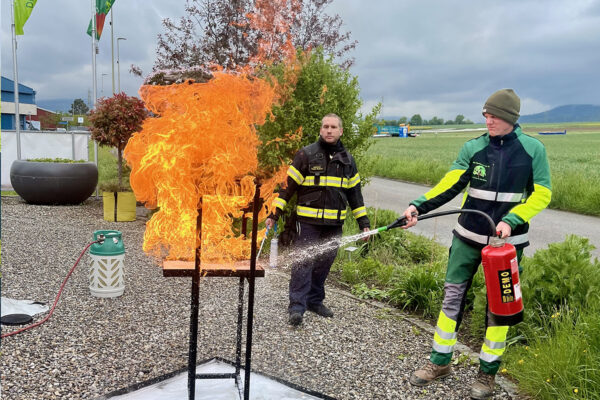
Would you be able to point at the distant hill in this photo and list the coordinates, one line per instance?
(568, 113)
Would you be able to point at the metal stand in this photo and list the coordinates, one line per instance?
(241, 270)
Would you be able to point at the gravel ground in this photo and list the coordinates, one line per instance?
(92, 346)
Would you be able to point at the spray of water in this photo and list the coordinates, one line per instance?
(309, 252)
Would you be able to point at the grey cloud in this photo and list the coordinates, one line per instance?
(435, 57)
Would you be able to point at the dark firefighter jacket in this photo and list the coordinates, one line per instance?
(327, 181)
(506, 177)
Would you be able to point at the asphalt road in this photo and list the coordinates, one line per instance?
(549, 226)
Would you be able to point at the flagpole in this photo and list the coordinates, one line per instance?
(94, 85)
(112, 50)
(16, 82)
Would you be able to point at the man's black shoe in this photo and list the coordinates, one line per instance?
(295, 318)
(321, 310)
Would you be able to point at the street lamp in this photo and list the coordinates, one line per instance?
(102, 85)
(119, 64)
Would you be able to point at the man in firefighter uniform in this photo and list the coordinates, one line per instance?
(325, 177)
(507, 176)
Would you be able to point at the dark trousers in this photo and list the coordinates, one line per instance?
(316, 249)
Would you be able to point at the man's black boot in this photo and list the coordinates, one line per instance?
(321, 310)
(295, 318)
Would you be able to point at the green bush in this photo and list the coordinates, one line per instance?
(564, 273)
(424, 250)
(420, 288)
(322, 87)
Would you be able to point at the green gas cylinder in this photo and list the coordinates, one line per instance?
(107, 269)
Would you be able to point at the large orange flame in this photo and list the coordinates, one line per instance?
(201, 147)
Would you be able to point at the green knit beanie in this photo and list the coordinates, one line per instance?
(504, 104)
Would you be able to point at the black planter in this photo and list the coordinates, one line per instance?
(53, 183)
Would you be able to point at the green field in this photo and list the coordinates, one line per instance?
(574, 160)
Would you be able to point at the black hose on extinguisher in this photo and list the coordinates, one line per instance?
(402, 220)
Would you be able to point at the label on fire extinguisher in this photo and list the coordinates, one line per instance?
(507, 288)
(514, 265)
(517, 291)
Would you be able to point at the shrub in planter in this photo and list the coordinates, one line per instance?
(113, 122)
(53, 181)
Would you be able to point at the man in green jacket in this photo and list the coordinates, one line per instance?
(507, 176)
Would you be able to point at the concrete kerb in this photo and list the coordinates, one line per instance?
(504, 383)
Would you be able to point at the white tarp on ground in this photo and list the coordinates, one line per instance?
(29, 307)
(40, 144)
(175, 388)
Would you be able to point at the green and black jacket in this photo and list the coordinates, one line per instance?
(327, 181)
(506, 177)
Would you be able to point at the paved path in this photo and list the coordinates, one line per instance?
(547, 227)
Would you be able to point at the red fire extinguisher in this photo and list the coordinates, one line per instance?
(501, 270)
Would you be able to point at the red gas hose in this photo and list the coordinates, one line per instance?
(57, 296)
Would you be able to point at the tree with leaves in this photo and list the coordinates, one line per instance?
(225, 33)
(435, 121)
(322, 87)
(114, 120)
(78, 107)
(416, 120)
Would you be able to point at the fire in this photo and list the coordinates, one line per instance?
(200, 150)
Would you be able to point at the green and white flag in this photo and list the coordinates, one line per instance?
(23, 9)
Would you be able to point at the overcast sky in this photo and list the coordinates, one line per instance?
(435, 58)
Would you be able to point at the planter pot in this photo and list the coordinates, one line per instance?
(125, 206)
(53, 183)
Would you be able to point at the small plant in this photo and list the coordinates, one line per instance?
(362, 291)
(384, 313)
(114, 186)
(56, 160)
(462, 359)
